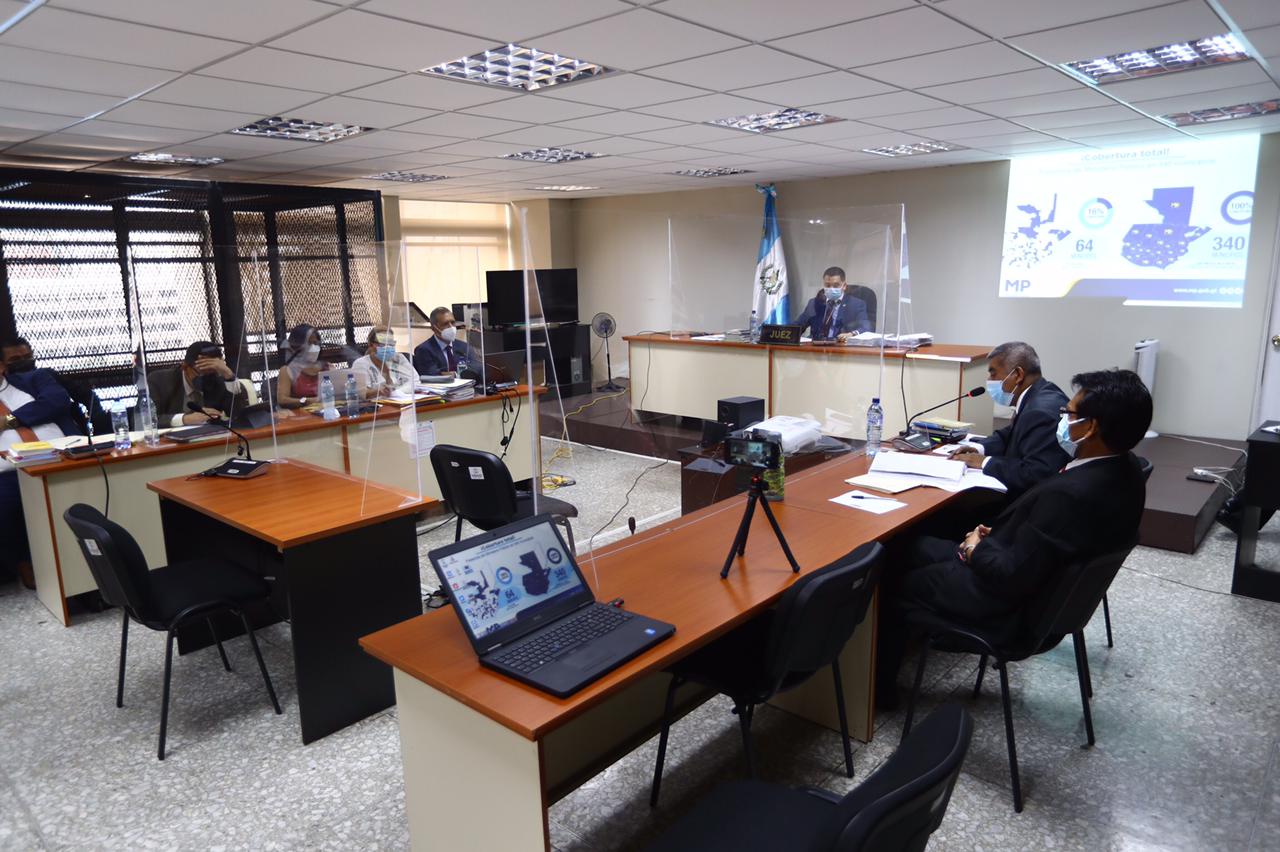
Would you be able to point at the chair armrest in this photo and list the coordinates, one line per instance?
(825, 795)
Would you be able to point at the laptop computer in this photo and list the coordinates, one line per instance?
(529, 613)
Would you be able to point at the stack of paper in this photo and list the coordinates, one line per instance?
(32, 452)
(894, 472)
(453, 391)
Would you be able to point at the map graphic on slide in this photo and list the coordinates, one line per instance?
(1028, 247)
(1161, 245)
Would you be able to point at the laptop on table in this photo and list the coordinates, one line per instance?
(529, 613)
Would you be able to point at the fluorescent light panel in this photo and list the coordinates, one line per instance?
(1136, 64)
(779, 119)
(407, 177)
(515, 66)
(161, 159)
(300, 129)
(910, 149)
(1228, 113)
(551, 155)
(566, 188)
(719, 171)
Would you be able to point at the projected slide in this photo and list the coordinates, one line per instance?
(1164, 224)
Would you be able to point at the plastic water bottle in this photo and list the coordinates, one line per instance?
(328, 403)
(462, 366)
(147, 419)
(120, 425)
(352, 396)
(875, 426)
(753, 327)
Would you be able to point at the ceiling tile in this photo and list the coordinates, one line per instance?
(99, 38)
(514, 22)
(636, 39)
(986, 59)
(622, 145)
(620, 122)
(968, 130)
(929, 118)
(223, 19)
(1076, 117)
(396, 140)
(887, 37)
(1022, 137)
(465, 126)
(1251, 14)
(376, 40)
(760, 145)
(1010, 17)
(238, 146)
(1055, 101)
(159, 135)
(1110, 128)
(181, 117)
(1037, 82)
(824, 133)
(40, 163)
(1208, 100)
(1188, 82)
(691, 134)
(1266, 40)
(627, 91)
(24, 120)
(282, 68)
(1189, 19)
(60, 101)
(710, 107)
(431, 92)
(733, 69)
(41, 68)
(890, 104)
(672, 154)
(362, 112)
(481, 148)
(1156, 134)
(832, 86)
(535, 109)
(549, 137)
(214, 93)
(759, 20)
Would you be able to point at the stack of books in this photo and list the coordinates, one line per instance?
(453, 391)
(32, 452)
(942, 430)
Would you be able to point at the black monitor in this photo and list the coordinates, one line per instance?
(558, 289)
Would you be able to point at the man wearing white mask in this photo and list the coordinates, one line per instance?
(834, 312)
(1026, 451)
(443, 354)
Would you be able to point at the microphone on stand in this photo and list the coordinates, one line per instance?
(918, 442)
(978, 391)
(237, 468)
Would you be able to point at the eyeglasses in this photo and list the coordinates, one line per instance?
(1073, 414)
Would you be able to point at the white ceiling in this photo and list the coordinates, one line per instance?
(84, 83)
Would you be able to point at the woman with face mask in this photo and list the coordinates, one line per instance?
(299, 382)
(386, 371)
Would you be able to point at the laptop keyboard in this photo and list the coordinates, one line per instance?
(573, 633)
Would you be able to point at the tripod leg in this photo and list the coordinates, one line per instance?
(740, 540)
(782, 540)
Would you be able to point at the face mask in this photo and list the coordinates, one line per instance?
(834, 293)
(448, 335)
(1064, 434)
(24, 365)
(1000, 396)
(386, 353)
(308, 354)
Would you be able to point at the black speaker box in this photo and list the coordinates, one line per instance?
(739, 412)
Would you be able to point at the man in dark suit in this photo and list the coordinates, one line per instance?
(202, 379)
(834, 312)
(1026, 451)
(1092, 507)
(442, 352)
(33, 407)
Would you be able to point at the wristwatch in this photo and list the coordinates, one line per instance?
(302, 400)
(9, 422)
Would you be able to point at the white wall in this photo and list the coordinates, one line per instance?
(1208, 370)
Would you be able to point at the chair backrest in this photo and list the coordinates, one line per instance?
(114, 558)
(904, 801)
(1066, 605)
(867, 295)
(1146, 467)
(819, 612)
(475, 484)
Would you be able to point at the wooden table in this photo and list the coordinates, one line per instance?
(341, 555)
(470, 737)
(675, 374)
(369, 445)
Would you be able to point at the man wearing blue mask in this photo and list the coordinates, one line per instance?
(834, 312)
(1024, 452)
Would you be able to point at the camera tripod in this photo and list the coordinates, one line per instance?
(739, 547)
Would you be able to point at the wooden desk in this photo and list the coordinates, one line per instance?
(363, 446)
(470, 737)
(674, 374)
(341, 554)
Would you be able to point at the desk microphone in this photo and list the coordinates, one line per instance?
(237, 468)
(918, 442)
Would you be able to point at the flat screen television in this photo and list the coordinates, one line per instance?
(554, 299)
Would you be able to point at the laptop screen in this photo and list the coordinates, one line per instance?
(514, 577)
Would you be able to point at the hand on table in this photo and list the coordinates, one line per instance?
(969, 456)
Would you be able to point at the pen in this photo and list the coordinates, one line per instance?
(868, 497)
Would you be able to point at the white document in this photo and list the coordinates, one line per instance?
(948, 449)
(889, 482)
(918, 464)
(425, 439)
(893, 483)
(708, 337)
(868, 502)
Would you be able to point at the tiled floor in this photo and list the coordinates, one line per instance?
(1186, 708)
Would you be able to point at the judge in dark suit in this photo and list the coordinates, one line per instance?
(1026, 451)
(834, 312)
(442, 352)
(203, 379)
(1092, 507)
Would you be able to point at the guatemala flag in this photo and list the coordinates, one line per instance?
(769, 293)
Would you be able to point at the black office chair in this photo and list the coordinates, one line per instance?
(1062, 608)
(867, 295)
(895, 810)
(477, 487)
(1146, 467)
(166, 598)
(782, 648)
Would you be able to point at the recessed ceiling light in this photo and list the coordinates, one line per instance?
(1228, 113)
(300, 130)
(1136, 64)
(709, 173)
(407, 177)
(551, 155)
(514, 66)
(779, 119)
(909, 149)
(17, 184)
(566, 188)
(162, 159)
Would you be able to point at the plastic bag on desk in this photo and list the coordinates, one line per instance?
(796, 433)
